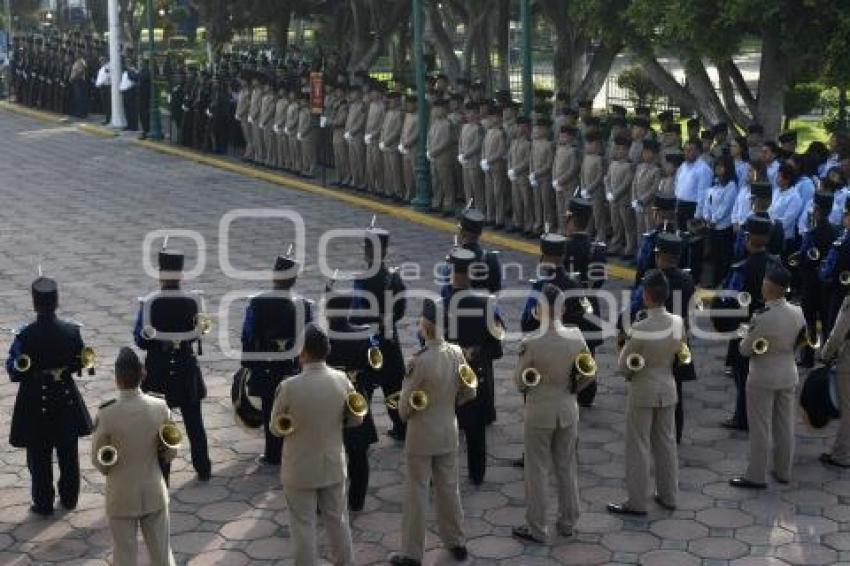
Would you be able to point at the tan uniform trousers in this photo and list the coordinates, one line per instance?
(282, 150)
(374, 167)
(341, 156)
(308, 153)
(422, 471)
(271, 147)
(495, 191)
(249, 139)
(259, 143)
(651, 439)
(558, 446)
(393, 182)
(473, 184)
(548, 210)
(333, 507)
(625, 229)
(356, 161)
(294, 151)
(601, 215)
(841, 448)
(155, 530)
(644, 222)
(444, 186)
(770, 409)
(523, 209)
(409, 176)
(562, 202)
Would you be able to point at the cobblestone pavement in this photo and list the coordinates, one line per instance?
(64, 207)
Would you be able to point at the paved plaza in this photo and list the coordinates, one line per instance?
(81, 206)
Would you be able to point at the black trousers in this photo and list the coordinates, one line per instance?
(587, 395)
(145, 112)
(358, 477)
(721, 254)
(274, 444)
(476, 450)
(40, 464)
(193, 421)
(740, 371)
(131, 110)
(106, 102)
(680, 413)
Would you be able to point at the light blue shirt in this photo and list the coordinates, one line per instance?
(742, 169)
(719, 204)
(804, 224)
(824, 168)
(692, 183)
(786, 207)
(805, 188)
(772, 171)
(837, 213)
(743, 205)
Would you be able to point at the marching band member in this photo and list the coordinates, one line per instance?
(136, 494)
(273, 321)
(771, 382)
(313, 468)
(837, 262)
(655, 342)
(664, 218)
(432, 443)
(551, 418)
(551, 272)
(49, 412)
(470, 227)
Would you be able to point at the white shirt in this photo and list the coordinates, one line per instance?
(692, 183)
(743, 206)
(772, 171)
(837, 212)
(126, 83)
(786, 208)
(103, 78)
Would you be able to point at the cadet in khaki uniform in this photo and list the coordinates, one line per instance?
(339, 116)
(407, 147)
(441, 158)
(645, 185)
(519, 165)
(540, 177)
(618, 192)
(493, 164)
(313, 470)
(771, 382)
(354, 126)
(592, 184)
(371, 135)
(243, 110)
(640, 133)
(565, 171)
(651, 401)
(836, 346)
(267, 111)
(390, 137)
(278, 124)
(551, 418)
(431, 447)
(293, 112)
(254, 110)
(308, 137)
(469, 155)
(136, 495)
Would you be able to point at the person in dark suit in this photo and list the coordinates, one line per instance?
(167, 326)
(49, 412)
(273, 321)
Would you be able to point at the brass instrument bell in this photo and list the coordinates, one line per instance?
(683, 356)
(357, 404)
(794, 259)
(148, 332)
(531, 377)
(283, 425)
(813, 254)
(635, 362)
(170, 436)
(375, 357)
(744, 298)
(204, 323)
(467, 376)
(107, 456)
(88, 357)
(22, 363)
(418, 400)
(760, 346)
(585, 364)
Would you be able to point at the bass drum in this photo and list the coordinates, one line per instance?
(819, 397)
(247, 410)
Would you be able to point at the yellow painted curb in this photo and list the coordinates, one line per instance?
(393, 210)
(96, 130)
(32, 112)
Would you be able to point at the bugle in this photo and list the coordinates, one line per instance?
(107, 456)
(418, 400)
(635, 362)
(375, 358)
(467, 376)
(531, 377)
(282, 425)
(22, 363)
(170, 437)
(357, 404)
(760, 346)
(88, 357)
(683, 356)
(585, 364)
(745, 299)
(813, 254)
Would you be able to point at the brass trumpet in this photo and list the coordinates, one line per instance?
(844, 278)
(204, 322)
(744, 298)
(467, 376)
(107, 456)
(88, 357)
(635, 362)
(760, 346)
(283, 425)
(148, 332)
(375, 357)
(585, 364)
(418, 400)
(683, 356)
(170, 437)
(813, 254)
(22, 363)
(531, 377)
(357, 404)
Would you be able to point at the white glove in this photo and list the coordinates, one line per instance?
(609, 196)
(250, 120)
(401, 149)
(428, 155)
(299, 137)
(367, 139)
(382, 146)
(556, 186)
(276, 129)
(637, 206)
(323, 121)
(511, 174)
(532, 180)
(209, 114)
(460, 159)
(236, 117)
(286, 131)
(485, 165)
(583, 193)
(347, 136)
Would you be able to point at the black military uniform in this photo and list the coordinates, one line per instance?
(552, 247)
(166, 328)
(834, 267)
(383, 294)
(764, 193)
(49, 412)
(349, 346)
(814, 296)
(665, 208)
(744, 276)
(482, 345)
(470, 228)
(586, 258)
(273, 322)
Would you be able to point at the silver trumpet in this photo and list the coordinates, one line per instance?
(531, 377)
(635, 362)
(107, 456)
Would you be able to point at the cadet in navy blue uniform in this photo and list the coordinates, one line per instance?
(761, 194)
(586, 258)
(550, 271)
(836, 263)
(664, 214)
(745, 276)
(469, 230)
(467, 311)
(349, 353)
(166, 328)
(49, 411)
(384, 294)
(273, 320)
(814, 249)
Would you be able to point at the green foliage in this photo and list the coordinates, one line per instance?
(802, 98)
(829, 100)
(635, 80)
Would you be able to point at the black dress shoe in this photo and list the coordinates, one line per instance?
(621, 509)
(459, 553)
(204, 476)
(827, 458)
(524, 533)
(399, 560)
(266, 461)
(664, 504)
(732, 425)
(778, 479)
(41, 512)
(744, 483)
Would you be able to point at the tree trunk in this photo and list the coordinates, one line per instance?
(728, 91)
(503, 23)
(699, 83)
(597, 71)
(442, 42)
(729, 66)
(772, 82)
(666, 82)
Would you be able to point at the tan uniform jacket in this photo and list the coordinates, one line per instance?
(410, 131)
(315, 399)
(439, 137)
(280, 114)
(635, 150)
(267, 111)
(592, 172)
(391, 130)
(243, 104)
(566, 167)
(645, 184)
(619, 178)
(374, 121)
(551, 403)
(356, 118)
(292, 112)
(340, 115)
(542, 154)
(256, 104)
(469, 145)
(134, 485)
(305, 121)
(495, 145)
(519, 157)
(434, 370)
(780, 323)
(836, 344)
(657, 338)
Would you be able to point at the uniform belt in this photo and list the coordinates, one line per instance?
(55, 374)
